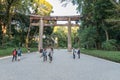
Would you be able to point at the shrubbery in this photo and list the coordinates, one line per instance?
(109, 45)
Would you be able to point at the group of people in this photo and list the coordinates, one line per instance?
(47, 52)
(16, 54)
(75, 51)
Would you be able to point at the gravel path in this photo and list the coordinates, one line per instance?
(63, 67)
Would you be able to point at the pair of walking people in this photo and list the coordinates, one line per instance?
(44, 54)
(78, 53)
(16, 53)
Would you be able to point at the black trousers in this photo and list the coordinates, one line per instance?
(79, 56)
(73, 55)
(14, 57)
(50, 58)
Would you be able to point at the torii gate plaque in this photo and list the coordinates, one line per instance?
(41, 25)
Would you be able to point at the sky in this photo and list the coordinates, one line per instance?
(62, 11)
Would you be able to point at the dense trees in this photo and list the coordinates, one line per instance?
(14, 19)
(42, 7)
(60, 33)
(11, 18)
(100, 23)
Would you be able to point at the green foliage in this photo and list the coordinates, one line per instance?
(5, 41)
(102, 15)
(14, 42)
(109, 55)
(109, 45)
(33, 44)
(48, 30)
(76, 45)
(87, 37)
(8, 51)
(62, 38)
(61, 34)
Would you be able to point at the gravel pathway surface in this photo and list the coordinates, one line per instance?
(63, 67)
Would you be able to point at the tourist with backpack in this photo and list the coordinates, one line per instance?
(74, 53)
(44, 54)
(14, 53)
(78, 53)
(19, 52)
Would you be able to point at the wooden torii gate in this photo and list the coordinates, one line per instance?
(41, 25)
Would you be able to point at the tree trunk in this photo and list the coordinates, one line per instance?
(8, 17)
(107, 35)
(0, 33)
(27, 38)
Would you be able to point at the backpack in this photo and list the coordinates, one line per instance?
(14, 52)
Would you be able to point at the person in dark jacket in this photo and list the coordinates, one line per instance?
(74, 53)
(44, 54)
(78, 53)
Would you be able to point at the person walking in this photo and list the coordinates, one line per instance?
(44, 55)
(14, 53)
(78, 53)
(74, 53)
(50, 55)
(19, 52)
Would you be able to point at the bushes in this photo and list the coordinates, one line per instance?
(8, 51)
(109, 55)
(33, 44)
(88, 37)
(109, 45)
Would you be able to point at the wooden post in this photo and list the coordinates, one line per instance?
(40, 34)
(69, 36)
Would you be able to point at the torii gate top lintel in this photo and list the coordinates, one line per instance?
(57, 18)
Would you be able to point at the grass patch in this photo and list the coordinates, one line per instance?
(109, 55)
(8, 51)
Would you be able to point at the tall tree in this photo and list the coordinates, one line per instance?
(10, 9)
(0, 34)
(42, 8)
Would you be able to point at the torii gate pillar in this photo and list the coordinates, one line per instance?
(40, 34)
(69, 36)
